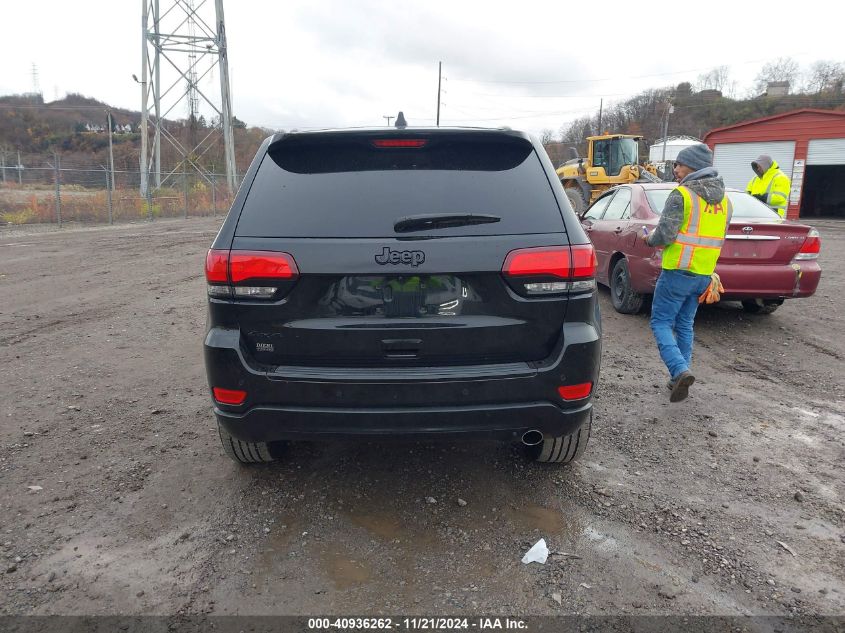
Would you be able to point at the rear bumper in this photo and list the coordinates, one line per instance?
(743, 281)
(499, 421)
(770, 281)
(494, 401)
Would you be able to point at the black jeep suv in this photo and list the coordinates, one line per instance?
(403, 282)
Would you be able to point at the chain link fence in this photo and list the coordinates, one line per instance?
(49, 190)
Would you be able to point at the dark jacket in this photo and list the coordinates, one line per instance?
(706, 183)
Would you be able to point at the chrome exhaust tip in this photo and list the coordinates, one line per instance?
(532, 437)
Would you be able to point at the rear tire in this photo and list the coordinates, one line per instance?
(576, 199)
(244, 452)
(624, 298)
(564, 449)
(761, 306)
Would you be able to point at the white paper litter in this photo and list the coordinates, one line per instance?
(537, 554)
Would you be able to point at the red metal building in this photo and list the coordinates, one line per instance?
(809, 147)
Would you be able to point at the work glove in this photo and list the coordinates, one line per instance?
(714, 290)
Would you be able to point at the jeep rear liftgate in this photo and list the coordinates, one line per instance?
(399, 252)
(386, 282)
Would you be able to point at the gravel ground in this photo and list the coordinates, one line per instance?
(116, 498)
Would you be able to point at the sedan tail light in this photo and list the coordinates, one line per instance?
(552, 269)
(811, 247)
(248, 274)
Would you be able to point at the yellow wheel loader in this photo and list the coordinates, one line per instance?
(612, 159)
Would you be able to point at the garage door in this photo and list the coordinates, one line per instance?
(828, 151)
(733, 160)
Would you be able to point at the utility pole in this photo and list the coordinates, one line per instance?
(3, 163)
(20, 168)
(108, 190)
(439, 80)
(601, 107)
(388, 119)
(58, 176)
(109, 122)
(669, 110)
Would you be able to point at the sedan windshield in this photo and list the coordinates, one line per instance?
(745, 206)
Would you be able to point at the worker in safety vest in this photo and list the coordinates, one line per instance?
(692, 230)
(771, 185)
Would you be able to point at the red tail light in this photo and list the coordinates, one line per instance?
(567, 262)
(227, 272)
(538, 262)
(245, 265)
(584, 262)
(229, 396)
(575, 392)
(389, 143)
(217, 267)
(811, 247)
(576, 264)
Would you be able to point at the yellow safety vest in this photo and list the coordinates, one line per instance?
(701, 235)
(775, 185)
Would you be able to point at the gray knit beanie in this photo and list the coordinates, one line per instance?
(695, 157)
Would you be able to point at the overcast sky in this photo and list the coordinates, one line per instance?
(528, 65)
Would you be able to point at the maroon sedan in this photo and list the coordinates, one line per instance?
(764, 260)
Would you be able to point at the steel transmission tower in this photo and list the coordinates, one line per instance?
(183, 41)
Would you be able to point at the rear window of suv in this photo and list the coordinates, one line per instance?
(335, 186)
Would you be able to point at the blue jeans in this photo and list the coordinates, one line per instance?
(672, 315)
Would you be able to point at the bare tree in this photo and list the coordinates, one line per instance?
(716, 79)
(825, 76)
(782, 69)
(547, 136)
(574, 134)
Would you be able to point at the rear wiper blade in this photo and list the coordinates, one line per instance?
(441, 221)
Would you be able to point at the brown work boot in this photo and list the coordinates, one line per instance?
(680, 386)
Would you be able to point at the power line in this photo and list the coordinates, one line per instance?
(602, 96)
(500, 108)
(518, 118)
(616, 77)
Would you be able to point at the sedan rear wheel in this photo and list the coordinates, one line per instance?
(625, 299)
(761, 306)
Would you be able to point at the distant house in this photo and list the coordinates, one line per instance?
(710, 94)
(777, 89)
